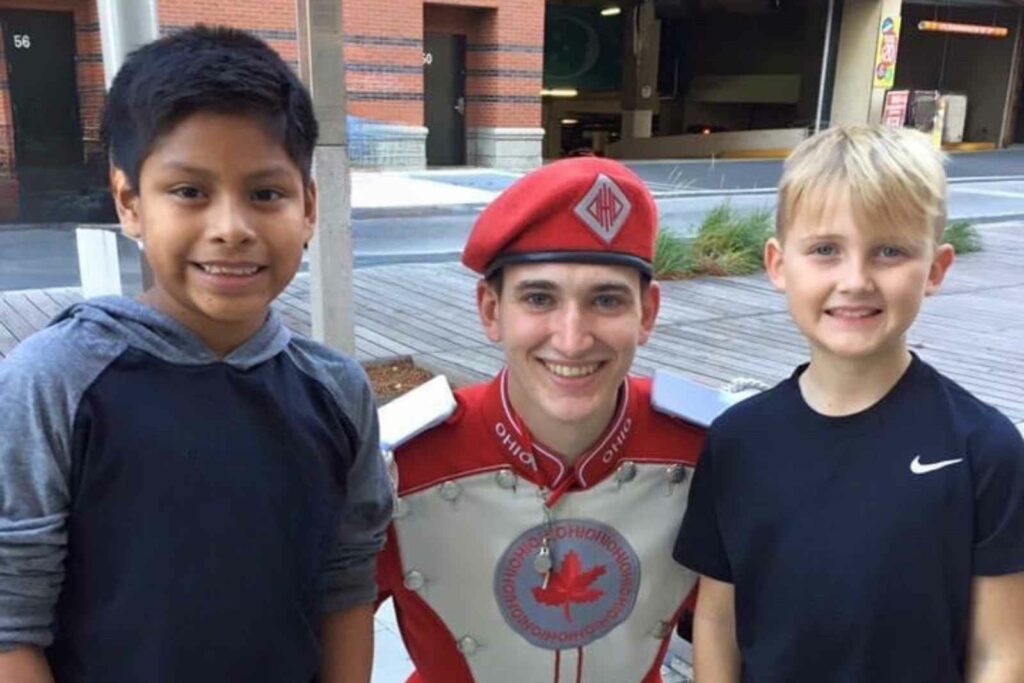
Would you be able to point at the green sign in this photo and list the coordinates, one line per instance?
(582, 49)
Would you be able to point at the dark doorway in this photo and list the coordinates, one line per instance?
(54, 182)
(444, 79)
(40, 49)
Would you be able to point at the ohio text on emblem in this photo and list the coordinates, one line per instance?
(591, 589)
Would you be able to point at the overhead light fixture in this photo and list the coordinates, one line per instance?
(570, 122)
(559, 92)
(612, 11)
(966, 29)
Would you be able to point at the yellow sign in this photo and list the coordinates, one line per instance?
(885, 56)
(939, 122)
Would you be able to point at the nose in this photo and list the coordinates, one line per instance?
(856, 276)
(572, 335)
(230, 223)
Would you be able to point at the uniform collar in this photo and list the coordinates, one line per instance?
(541, 464)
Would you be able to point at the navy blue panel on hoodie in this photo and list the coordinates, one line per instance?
(186, 518)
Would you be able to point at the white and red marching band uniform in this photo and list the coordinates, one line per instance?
(476, 499)
(504, 562)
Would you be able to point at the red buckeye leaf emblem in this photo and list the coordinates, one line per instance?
(570, 585)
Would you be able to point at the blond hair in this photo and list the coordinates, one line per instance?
(895, 179)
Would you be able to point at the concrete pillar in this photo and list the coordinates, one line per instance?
(641, 41)
(124, 26)
(103, 268)
(330, 253)
(854, 97)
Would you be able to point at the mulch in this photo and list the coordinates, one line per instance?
(393, 378)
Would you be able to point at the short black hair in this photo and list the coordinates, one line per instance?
(204, 69)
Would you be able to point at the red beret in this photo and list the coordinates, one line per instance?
(582, 210)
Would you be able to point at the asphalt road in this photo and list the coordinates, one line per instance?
(985, 186)
(690, 175)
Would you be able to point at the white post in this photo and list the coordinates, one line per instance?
(124, 26)
(99, 268)
(330, 256)
(824, 66)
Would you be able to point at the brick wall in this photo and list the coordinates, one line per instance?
(6, 119)
(383, 53)
(271, 20)
(384, 60)
(88, 72)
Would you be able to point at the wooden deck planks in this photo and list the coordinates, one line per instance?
(712, 329)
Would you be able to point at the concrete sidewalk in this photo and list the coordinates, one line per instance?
(408, 189)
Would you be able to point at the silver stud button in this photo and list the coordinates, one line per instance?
(413, 580)
(506, 479)
(450, 490)
(662, 630)
(626, 472)
(467, 645)
(676, 474)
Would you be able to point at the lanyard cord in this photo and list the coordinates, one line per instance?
(556, 491)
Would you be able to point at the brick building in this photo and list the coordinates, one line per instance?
(469, 71)
(459, 82)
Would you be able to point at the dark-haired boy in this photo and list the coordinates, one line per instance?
(188, 492)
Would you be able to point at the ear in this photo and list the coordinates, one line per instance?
(650, 302)
(773, 263)
(488, 305)
(309, 209)
(126, 201)
(945, 254)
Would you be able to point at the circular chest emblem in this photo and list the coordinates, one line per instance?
(590, 589)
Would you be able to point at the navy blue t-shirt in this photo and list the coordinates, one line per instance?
(852, 541)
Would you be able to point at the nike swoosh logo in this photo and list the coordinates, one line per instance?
(918, 467)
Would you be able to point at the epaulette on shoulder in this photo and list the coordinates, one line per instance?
(413, 413)
(684, 398)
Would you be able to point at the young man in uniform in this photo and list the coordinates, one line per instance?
(534, 523)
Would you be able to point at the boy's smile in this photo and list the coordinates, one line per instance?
(569, 332)
(223, 214)
(853, 292)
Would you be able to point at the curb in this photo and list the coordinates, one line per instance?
(426, 211)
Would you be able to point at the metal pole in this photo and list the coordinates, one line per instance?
(824, 66)
(330, 252)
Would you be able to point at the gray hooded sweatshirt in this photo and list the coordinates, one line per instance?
(167, 515)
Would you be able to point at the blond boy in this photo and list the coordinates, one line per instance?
(864, 519)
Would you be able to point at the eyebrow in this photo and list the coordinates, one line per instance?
(817, 237)
(548, 286)
(275, 171)
(612, 288)
(544, 285)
